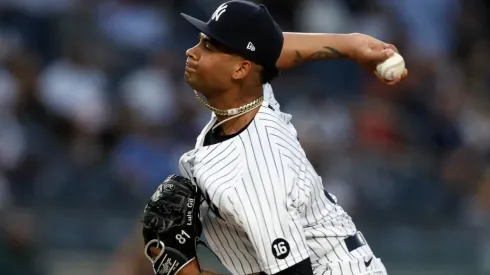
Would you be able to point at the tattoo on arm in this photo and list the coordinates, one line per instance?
(325, 53)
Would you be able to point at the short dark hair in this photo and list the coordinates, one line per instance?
(267, 75)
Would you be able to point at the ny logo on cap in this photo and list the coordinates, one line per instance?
(219, 11)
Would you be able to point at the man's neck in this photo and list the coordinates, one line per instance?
(231, 100)
(237, 124)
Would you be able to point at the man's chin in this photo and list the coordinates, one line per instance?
(190, 80)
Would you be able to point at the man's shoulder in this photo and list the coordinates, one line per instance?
(277, 127)
(269, 116)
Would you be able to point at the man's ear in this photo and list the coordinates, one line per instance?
(242, 69)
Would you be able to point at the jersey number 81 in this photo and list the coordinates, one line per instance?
(180, 237)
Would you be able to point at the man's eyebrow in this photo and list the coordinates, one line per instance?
(207, 39)
(204, 37)
(214, 43)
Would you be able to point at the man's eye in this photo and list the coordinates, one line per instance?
(207, 46)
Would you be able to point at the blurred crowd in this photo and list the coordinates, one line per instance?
(94, 113)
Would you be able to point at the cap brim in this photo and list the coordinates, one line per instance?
(203, 27)
(198, 24)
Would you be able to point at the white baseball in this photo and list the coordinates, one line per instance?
(391, 67)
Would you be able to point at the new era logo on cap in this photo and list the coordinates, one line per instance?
(251, 47)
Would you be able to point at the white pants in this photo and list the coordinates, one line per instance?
(354, 267)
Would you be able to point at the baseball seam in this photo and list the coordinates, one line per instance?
(390, 67)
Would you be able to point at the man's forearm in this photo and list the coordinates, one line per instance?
(302, 47)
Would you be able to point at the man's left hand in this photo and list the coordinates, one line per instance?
(368, 52)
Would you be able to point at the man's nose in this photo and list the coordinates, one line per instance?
(192, 53)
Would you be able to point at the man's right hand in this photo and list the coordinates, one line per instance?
(368, 52)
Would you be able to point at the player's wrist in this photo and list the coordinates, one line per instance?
(191, 268)
(350, 44)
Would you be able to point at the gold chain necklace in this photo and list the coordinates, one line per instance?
(231, 112)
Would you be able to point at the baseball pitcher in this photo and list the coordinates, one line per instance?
(247, 184)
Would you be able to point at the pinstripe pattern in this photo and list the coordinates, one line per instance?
(260, 187)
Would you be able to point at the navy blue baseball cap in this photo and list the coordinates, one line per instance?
(247, 29)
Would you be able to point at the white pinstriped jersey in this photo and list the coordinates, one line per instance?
(266, 209)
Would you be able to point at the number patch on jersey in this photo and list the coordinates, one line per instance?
(280, 248)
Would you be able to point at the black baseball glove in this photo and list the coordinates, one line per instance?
(171, 225)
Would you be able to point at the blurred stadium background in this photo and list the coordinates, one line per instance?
(94, 114)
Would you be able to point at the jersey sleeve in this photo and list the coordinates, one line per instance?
(267, 215)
